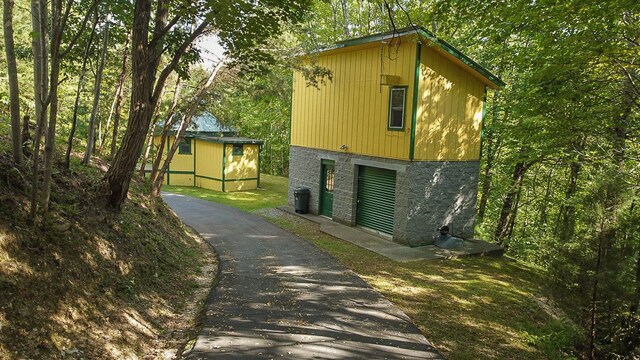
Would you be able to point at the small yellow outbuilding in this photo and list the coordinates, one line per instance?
(210, 156)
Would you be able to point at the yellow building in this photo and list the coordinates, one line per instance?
(392, 143)
(210, 156)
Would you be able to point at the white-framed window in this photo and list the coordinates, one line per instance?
(397, 102)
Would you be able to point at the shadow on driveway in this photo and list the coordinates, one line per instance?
(279, 296)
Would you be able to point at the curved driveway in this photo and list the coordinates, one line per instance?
(279, 296)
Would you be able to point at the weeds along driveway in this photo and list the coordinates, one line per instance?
(280, 296)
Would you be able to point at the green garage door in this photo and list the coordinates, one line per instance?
(376, 198)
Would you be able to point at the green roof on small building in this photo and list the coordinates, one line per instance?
(205, 123)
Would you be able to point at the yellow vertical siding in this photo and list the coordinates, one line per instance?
(208, 160)
(353, 108)
(241, 171)
(180, 162)
(449, 118)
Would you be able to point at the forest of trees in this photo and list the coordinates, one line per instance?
(560, 180)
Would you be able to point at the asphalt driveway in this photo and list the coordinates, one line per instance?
(279, 296)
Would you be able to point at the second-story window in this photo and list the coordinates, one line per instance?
(396, 108)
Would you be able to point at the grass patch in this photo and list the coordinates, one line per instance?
(272, 193)
(470, 308)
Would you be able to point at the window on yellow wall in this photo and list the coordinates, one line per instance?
(238, 149)
(397, 101)
(185, 146)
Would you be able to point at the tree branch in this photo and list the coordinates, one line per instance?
(176, 59)
(164, 31)
(81, 30)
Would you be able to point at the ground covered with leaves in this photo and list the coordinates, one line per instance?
(85, 282)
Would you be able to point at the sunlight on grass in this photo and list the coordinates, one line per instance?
(472, 308)
(272, 193)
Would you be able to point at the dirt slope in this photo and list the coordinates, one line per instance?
(89, 283)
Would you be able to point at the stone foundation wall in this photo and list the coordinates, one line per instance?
(428, 194)
(441, 193)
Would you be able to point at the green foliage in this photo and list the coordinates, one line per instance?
(259, 108)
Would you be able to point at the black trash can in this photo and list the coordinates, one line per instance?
(301, 197)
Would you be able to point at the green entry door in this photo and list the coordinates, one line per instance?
(376, 198)
(326, 188)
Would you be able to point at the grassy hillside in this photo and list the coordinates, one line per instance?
(89, 283)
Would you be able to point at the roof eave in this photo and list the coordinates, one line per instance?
(488, 78)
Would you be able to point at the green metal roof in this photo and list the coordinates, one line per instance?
(224, 139)
(203, 123)
(427, 35)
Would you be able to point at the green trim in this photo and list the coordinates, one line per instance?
(290, 110)
(414, 106)
(224, 163)
(208, 178)
(194, 162)
(242, 179)
(235, 152)
(422, 32)
(484, 114)
(259, 152)
(462, 57)
(180, 152)
(404, 108)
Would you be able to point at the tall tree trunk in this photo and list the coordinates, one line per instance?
(116, 121)
(568, 210)
(486, 180)
(76, 104)
(119, 175)
(14, 90)
(40, 71)
(509, 203)
(96, 96)
(167, 124)
(593, 311)
(26, 135)
(144, 97)
(50, 138)
(58, 19)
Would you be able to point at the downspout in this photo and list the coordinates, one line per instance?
(259, 152)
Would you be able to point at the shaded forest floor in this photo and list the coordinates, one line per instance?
(89, 283)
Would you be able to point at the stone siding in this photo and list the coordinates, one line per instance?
(428, 194)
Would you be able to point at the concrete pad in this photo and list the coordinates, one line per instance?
(395, 251)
